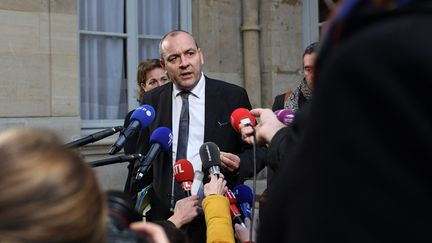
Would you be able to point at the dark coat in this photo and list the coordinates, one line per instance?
(361, 170)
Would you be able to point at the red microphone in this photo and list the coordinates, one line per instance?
(184, 174)
(241, 116)
(235, 212)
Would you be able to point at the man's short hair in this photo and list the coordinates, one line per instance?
(312, 48)
(174, 33)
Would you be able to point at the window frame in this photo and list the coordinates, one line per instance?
(311, 24)
(132, 55)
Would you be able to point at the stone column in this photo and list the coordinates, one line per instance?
(251, 55)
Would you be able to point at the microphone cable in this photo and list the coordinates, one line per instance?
(253, 184)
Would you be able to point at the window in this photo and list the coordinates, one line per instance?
(315, 15)
(115, 35)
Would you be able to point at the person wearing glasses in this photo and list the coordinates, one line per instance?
(297, 98)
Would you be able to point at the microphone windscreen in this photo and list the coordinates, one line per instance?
(286, 116)
(241, 116)
(210, 155)
(243, 194)
(162, 136)
(145, 114)
(183, 171)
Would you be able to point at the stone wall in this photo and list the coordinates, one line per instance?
(217, 26)
(39, 65)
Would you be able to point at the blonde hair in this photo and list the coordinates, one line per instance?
(47, 192)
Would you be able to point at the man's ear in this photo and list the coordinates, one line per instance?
(162, 63)
(201, 56)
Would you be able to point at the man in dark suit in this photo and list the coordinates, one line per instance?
(211, 103)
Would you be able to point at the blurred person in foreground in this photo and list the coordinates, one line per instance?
(49, 194)
(360, 170)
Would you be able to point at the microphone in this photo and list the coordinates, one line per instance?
(210, 157)
(197, 182)
(113, 160)
(241, 116)
(244, 198)
(286, 116)
(183, 172)
(94, 137)
(235, 213)
(161, 139)
(140, 118)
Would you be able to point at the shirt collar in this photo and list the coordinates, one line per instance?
(197, 91)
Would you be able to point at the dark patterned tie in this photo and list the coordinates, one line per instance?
(183, 132)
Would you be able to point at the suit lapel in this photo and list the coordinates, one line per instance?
(164, 110)
(212, 109)
(164, 113)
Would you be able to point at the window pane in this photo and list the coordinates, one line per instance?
(101, 15)
(157, 17)
(102, 74)
(148, 49)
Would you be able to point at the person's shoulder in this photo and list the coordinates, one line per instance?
(157, 92)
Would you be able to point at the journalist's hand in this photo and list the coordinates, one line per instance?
(242, 233)
(185, 211)
(215, 186)
(266, 128)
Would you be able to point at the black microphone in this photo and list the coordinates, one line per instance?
(94, 137)
(140, 118)
(210, 157)
(161, 139)
(114, 160)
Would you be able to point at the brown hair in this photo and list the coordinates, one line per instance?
(143, 69)
(47, 192)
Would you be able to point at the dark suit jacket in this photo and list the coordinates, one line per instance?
(221, 99)
(279, 102)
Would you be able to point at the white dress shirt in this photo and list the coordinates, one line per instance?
(196, 122)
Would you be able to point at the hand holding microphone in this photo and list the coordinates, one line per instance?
(185, 211)
(216, 186)
(265, 130)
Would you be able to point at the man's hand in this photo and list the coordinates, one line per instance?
(185, 211)
(229, 162)
(266, 128)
